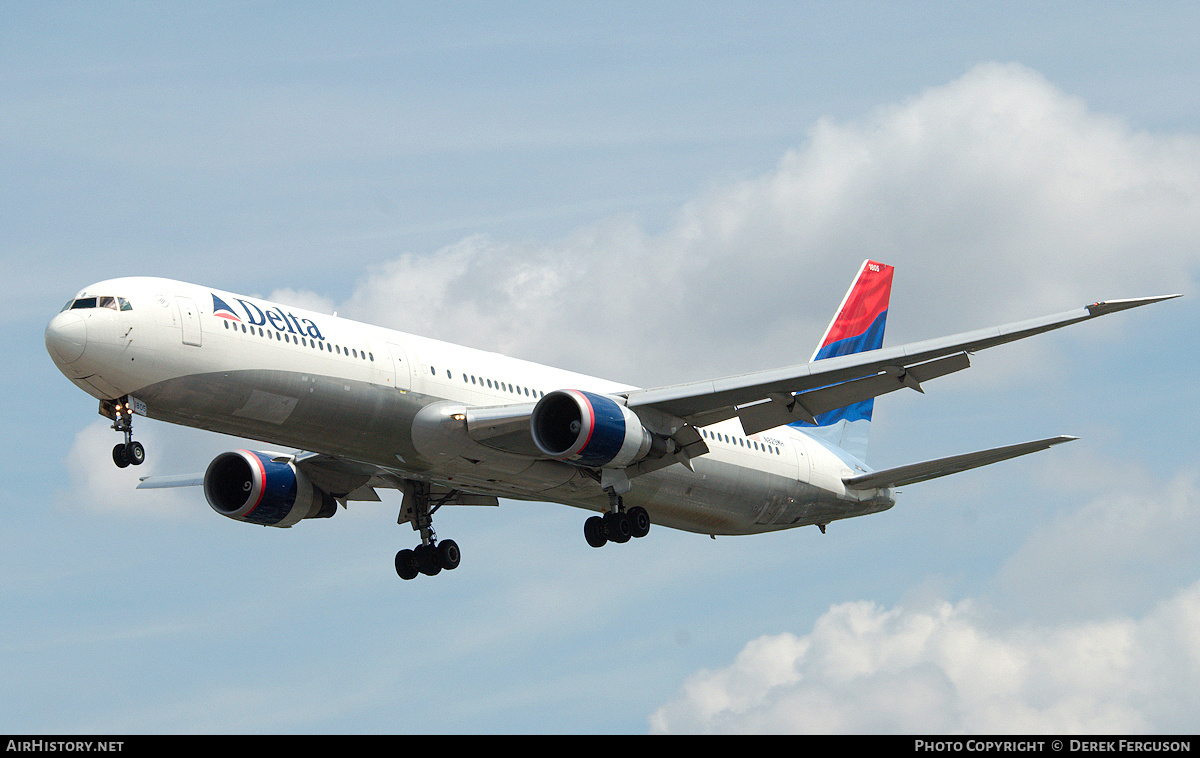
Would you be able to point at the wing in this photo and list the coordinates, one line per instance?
(767, 399)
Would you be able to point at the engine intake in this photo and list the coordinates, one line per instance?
(587, 429)
(249, 486)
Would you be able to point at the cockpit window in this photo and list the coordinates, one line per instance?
(104, 301)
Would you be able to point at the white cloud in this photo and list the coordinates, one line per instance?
(951, 669)
(997, 185)
(303, 299)
(1090, 666)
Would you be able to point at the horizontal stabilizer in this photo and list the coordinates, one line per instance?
(920, 472)
(166, 482)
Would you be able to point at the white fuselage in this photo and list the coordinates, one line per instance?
(238, 365)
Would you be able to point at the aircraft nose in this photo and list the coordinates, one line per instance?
(66, 336)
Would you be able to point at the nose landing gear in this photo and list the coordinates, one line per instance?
(129, 452)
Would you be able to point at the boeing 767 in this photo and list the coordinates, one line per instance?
(354, 408)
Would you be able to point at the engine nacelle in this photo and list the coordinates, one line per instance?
(249, 486)
(587, 429)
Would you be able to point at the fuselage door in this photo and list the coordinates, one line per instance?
(401, 365)
(189, 318)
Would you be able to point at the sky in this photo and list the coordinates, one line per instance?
(652, 193)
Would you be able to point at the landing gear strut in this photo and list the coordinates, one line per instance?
(431, 556)
(617, 525)
(129, 452)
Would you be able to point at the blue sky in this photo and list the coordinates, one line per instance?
(650, 193)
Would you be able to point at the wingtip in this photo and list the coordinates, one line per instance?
(1112, 306)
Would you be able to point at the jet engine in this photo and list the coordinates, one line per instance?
(255, 487)
(591, 430)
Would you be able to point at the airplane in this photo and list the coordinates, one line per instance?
(362, 408)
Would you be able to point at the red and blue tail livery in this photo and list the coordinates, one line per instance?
(857, 327)
(859, 323)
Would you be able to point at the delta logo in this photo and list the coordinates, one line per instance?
(274, 317)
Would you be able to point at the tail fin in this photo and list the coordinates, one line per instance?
(857, 328)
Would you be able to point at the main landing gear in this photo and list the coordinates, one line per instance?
(431, 556)
(129, 452)
(618, 525)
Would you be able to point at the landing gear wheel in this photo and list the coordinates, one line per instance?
(448, 554)
(427, 560)
(640, 521)
(406, 566)
(135, 453)
(120, 456)
(593, 531)
(617, 527)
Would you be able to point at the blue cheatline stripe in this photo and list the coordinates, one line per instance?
(871, 339)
